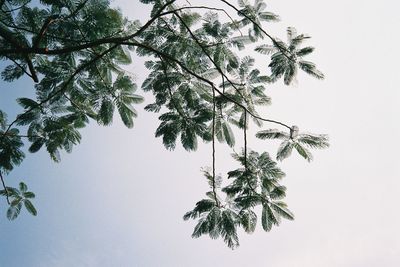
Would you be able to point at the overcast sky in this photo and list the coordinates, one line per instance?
(118, 199)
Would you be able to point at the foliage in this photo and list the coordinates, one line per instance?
(203, 80)
(19, 197)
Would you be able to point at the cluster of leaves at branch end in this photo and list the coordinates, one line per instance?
(299, 141)
(19, 197)
(258, 184)
(286, 59)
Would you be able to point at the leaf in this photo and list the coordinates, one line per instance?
(272, 134)
(311, 69)
(280, 208)
(266, 49)
(305, 51)
(228, 134)
(106, 112)
(13, 211)
(268, 218)
(27, 103)
(284, 150)
(303, 152)
(22, 187)
(314, 141)
(36, 145)
(214, 218)
(249, 221)
(127, 113)
(29, 206)
(201, 228)
(189, 139)
(29, 195)
(228, 229)
(265, 219)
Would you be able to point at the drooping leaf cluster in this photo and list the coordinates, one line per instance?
(18, 198)
(257, 185)
(301, 142)
(204, 83)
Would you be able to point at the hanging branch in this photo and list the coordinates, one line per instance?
(245, 139)
(213, 152)
(5, 189)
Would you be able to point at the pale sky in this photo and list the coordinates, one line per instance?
(118, 199)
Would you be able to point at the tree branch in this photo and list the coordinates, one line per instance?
(5, 188)
(282, 49)
(213, 153)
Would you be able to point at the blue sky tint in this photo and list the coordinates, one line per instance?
(118, 199)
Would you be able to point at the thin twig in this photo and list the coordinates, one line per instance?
(213, 152)
(20, 66)
(5, 188)
(208, 55)
(282, 49)
(245, 139)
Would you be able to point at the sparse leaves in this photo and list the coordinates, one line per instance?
(258, 185)
(18, 198)
(296, 140)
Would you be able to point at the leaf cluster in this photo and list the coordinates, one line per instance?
(256, 183)
(19, 197)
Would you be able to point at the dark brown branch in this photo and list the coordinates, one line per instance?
(11, 10)
(66, 83)
(20, 66)
(77, 71)
(45, 34)
(43, 30)
(245, 139)
(65, 50)
(5, 188)
(9, 37)
(213, 152)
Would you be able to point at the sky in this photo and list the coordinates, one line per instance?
(118, 199)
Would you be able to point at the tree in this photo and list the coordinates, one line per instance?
(202, 78)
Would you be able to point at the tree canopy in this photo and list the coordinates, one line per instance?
(203, 80)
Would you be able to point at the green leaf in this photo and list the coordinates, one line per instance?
(314, 141)
(303, 152)
(189, 140)
(265, 219)
(281, 208)
(106, 112)
(36, 145)
(249, 221)
(284, 150)
(29, 195)
(29, 206)
(127, 114)
(214, 219)
(272, 134)
(13, 211)
(22, 187)
(228, 134)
